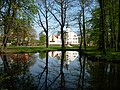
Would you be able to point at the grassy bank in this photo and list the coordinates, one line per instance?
(22, 49)
(90, 51)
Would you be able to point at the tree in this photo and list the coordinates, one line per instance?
(119, 28)
(83, 12)
(20, 32)
(105, 21)
(9, 15)
(42, 38)
(43, 13)
(61, 18)
(81, 34)
(102, 26)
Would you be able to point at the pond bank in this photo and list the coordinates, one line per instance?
(98, 55)
(90, 52)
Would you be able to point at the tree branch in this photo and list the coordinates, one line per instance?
(55, 17)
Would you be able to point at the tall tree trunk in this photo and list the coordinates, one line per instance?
(102, 26)
(62, 37)
(46, 24)
(45, 27)
(111, 26)
(119, 28)
(84, 24)
(62, 23)
(79, 22)
(113, 22)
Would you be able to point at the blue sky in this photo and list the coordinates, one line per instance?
(55, 27)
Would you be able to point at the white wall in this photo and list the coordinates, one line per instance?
(72, 37)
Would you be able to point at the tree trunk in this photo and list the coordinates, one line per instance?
(102, 26)
(62, 23)
(47, 40)
(119, 29)
(46, 24)
(62, 37)
(111, 26)
(79, 21)
(84, 25)
(8, 20)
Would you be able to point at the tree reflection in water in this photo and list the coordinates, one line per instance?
(47, 86)
(43, 72)
(14, 73)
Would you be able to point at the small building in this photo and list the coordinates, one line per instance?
(55, 40)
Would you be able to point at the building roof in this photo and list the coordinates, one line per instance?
(56, 36)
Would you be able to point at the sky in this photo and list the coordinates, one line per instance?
(54, 27)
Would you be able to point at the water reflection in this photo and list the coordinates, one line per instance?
(69, 55)
(62, 70)
(14, 72)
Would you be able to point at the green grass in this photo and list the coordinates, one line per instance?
(90, 51)
(13, 49)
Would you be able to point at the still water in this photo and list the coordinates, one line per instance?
(57, 70)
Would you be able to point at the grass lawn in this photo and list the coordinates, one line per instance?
(15, 49)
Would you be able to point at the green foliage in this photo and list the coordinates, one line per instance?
(42, 54)
(17, 18)
(42, 38)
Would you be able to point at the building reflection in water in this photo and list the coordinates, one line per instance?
(69, 55)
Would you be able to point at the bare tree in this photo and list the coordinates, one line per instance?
(62, 13)
(43, 13)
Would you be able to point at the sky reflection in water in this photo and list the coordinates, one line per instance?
(57, 70)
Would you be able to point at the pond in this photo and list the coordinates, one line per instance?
(62, 70)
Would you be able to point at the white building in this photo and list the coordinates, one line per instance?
(70, 38)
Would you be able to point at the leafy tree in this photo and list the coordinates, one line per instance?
(42, 38)
(11, 12)
(105, 23)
